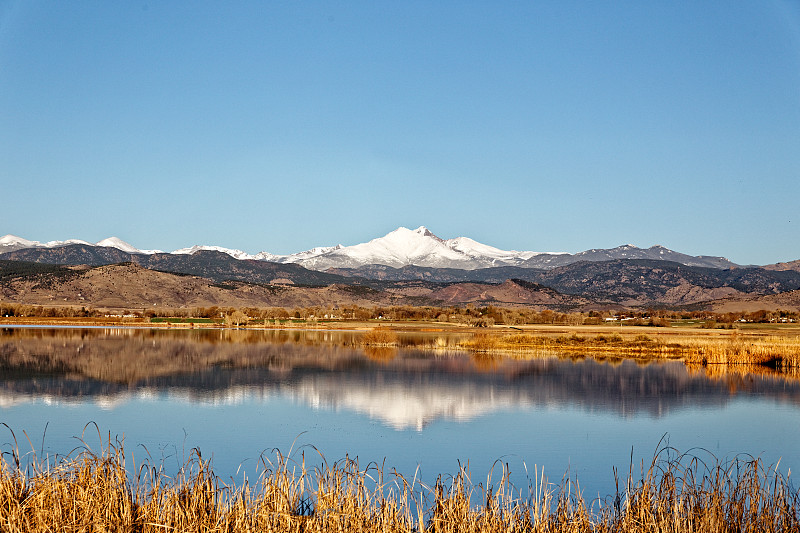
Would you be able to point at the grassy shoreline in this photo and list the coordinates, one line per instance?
(772, 351)
(96, 492)
(768, 346)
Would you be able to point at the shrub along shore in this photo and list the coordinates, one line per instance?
(89, 492)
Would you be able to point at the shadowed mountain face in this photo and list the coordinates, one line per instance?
(73, 254)
(663, 281)
(404, 389)
(215, 278)
(217, 266)
(629, 281)
(131, 286)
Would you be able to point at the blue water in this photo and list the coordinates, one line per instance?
(420, 412)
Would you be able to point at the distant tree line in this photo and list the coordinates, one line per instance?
(467, 315)
(41, 311)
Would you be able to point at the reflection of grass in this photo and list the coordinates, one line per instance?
(613, 342)
(380, 353)
(94, 492)
(741, 371)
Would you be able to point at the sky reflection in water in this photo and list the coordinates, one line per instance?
(237, 396)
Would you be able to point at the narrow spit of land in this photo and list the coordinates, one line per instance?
(753, 348)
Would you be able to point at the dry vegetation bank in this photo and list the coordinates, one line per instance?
(782, 352)
(95, 492)
(756, 338)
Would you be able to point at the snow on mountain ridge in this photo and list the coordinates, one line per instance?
(405, 247)
(398, 248)
(12, 240)
(236, 254)
(296, 257)
(476, 249)
(116, 242)
(57, 244)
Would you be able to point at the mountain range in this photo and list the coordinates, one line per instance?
(400, 248)
(405, 267)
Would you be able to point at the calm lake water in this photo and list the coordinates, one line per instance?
(238, 394)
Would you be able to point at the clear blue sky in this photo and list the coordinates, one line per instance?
(278, 126)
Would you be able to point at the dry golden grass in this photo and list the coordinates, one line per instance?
(782, 352)
(380, 337)
(548, 344)
(94, 493)
(779, 352)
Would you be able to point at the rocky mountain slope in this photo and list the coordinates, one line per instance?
(611, 283)
(132, 286)
(784, 301)
(790, 265)
(643, 282)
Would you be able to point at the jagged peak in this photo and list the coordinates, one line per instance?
(425, 232)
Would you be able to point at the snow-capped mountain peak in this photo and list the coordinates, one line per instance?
(116, 242)
(425, 232)
(7, 241)
(12, 242)
(404, 247)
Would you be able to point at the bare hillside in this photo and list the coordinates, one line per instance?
(131, 286)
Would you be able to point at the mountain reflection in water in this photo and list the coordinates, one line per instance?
(406, 388)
